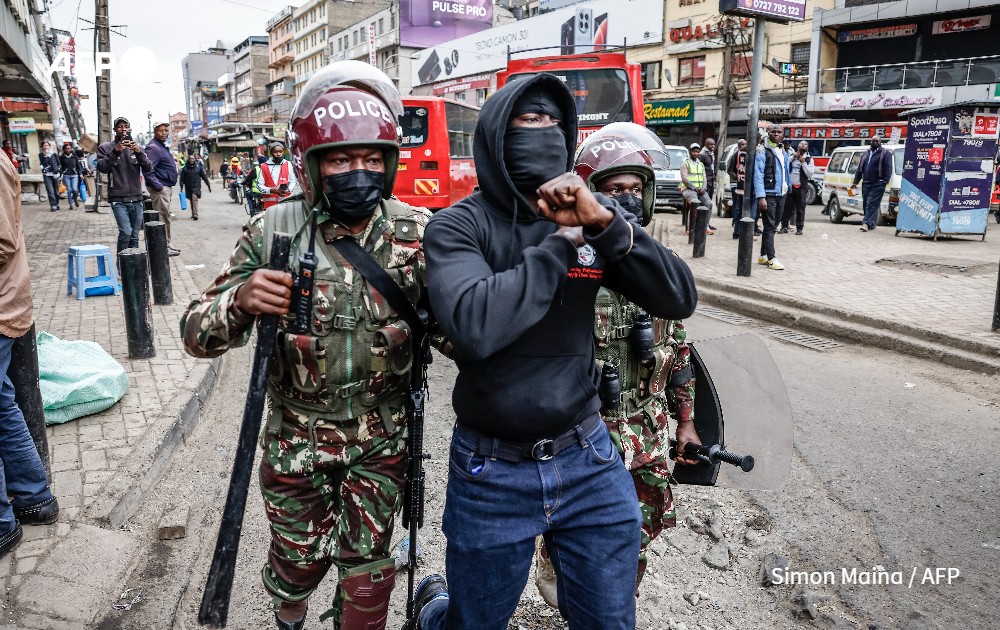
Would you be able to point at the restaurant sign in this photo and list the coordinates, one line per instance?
(668, 112)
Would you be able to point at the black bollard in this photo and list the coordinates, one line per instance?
(744, 259)
(148, 217)
(159, 262)
(689, 220)
(996, 308)
(700, 229)
(135, 296)
(23, 374)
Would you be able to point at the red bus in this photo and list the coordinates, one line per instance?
(435, 157)
(606, 86)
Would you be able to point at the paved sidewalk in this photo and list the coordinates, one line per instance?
(834, 283)
(102, 465)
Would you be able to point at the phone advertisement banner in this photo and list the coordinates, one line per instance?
(425, 23)
(581, 28)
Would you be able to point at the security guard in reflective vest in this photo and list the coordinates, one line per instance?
(276, 179)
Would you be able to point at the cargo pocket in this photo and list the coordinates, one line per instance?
(306, 362)
(392, 354)
(663, 362)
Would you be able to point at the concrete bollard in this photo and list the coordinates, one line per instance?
(23, 374)
(744, 258)
(699, 231)
(159, 262)
(135, 296)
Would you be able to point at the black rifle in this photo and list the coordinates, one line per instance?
(302, 289)
(413, 491)
(215, 600)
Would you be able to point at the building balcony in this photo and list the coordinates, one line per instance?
(282, 60)
(919, 74)
(285, 86)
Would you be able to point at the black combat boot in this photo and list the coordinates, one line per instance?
(429, 589)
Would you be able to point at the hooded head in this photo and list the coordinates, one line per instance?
(516, 152)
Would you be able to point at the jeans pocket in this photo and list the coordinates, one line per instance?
(465, 462)
(601, 448)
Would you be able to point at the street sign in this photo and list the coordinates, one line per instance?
(790, 69)
(774, 10)
(896, 134)
(21, 125)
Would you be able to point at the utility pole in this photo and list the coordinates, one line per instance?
(749, 200)
(102, 44)
(727, 81)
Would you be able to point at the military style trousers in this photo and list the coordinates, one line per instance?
(330, 495)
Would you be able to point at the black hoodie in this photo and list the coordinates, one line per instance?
(517, 301)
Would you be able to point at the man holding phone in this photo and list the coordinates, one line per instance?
(800, 173)
(275, 178)
(124, 161)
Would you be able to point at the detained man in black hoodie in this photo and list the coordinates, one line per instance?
(512, 274)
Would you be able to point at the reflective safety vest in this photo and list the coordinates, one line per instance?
(272, 198)
(696, 173)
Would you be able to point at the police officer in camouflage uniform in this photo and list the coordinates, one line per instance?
(334, 458)
(648, 357)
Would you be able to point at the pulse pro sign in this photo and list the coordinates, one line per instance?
(459, 9)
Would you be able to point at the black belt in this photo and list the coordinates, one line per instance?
(542, 450)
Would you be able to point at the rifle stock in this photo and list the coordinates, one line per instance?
(219, 585)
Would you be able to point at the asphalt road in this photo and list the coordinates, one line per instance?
(893, 468)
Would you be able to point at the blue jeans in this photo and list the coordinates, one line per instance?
(22, 476)
(583, 502)
(52, 190)
(72, 189)
(871, 194)
(128, 216)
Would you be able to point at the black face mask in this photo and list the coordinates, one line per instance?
(630, 203)
(533, 156)
(353, 195)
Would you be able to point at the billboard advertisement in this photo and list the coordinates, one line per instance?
(581, 28)
(424, 23)
(774, 10)
(213, 112)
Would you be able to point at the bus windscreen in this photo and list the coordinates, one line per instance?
(601, 94)
(414, 124)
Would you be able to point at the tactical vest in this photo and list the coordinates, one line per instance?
(357, 356)
(696, 173)
(641, 381)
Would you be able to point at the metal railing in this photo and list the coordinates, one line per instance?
(918, 74)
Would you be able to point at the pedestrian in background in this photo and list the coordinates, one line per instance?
(51, 172)
(8, 148)
(162, 177)
(873, 172)
(125, 161)
(694, 185)
(770, 187)
(25, 495)
(191, 177)
(71, 173)
(800, 174)
(738, 176)
(275, 178)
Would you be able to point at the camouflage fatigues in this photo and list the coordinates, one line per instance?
(652, 390)
(334, 457)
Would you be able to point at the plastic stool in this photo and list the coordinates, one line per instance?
(76, 265)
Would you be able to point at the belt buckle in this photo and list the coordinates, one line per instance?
(542, 450)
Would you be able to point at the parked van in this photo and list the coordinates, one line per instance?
(836, 193)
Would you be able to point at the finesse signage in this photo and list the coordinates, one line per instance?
(668, 112)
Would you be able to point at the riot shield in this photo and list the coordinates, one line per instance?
(740, 402)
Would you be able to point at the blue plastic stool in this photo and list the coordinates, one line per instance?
(95, 285)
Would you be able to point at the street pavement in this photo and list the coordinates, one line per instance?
(103, 466)
(837, 282)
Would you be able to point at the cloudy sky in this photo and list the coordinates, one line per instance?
(159, 32)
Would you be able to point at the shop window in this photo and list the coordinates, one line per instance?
(800, 54)
(742, 65)
(691, 71)
(381, 25)
(651, 75)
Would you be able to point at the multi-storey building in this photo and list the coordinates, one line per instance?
(375, 39)
(250, 77)
(201, 72)
(872, 60)
(280, 88)
(313, 23)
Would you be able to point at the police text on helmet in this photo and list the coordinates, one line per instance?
(352, 108)
(614, 143)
